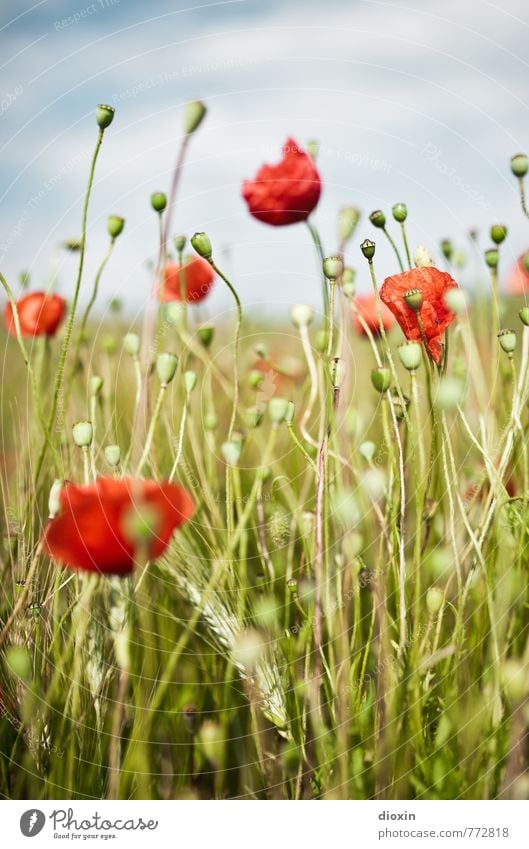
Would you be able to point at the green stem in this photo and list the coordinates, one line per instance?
(319, 248)
(394, 246)
(152, 428)
(217, 270)
(406, 246)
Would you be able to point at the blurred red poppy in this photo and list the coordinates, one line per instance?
(198, 280)
(39, 313)
(518, 279)
(434, 315)
(92, 530)
(366, 306)
(284, 193)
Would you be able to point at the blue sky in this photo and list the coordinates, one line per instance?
(422, 102)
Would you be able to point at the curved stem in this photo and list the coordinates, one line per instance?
(217, 270)
(395, 248)
(152, 427)
(319, 248)
(91, 302)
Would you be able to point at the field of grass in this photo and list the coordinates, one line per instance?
(345, 616)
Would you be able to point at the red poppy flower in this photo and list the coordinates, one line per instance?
(199, 277)
(434, 314)
(284, 193)
(518, 279)
(92, 529)
(366, 306)
(40, 314)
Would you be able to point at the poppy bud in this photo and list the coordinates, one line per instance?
(381, 379)
(348, 218)
(254, 416)
(447, 249)
(255, 378)
(180, 243)
(378, 219)
(174, 313)
(332, 267)
(524, 316)
(113, 455)
(400, 212)
(410, 354)
(422, 257)
(434, 600)
(456, 300)
(115, 225)
(367, 450)
(96, 382)
(368, 249)
(450, 393)
(498, 233)
(104, 115)
(520, 164)
(231, 451)
(507, 340)
(210, 421)
(492, 257)
(414, 299)
(321, 341)
(205, 335)
(301, 315)
(131, 344)
(202, 245)
(166, 366)
(278, 409)
(54, 503)
(158, 201)
(289, 415)
(194, 114)
(348, 282)
(515, 680)
(190, 381)
(82, 434)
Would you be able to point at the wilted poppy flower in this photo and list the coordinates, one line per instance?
(97, 523)
(39, 313)
(433, 313)
(199, 277)
(284, 193)
(518, 279)
(366, 306)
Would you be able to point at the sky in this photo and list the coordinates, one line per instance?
(420, 102)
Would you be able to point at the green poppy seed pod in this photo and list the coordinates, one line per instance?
(54, 501)
(289, 415)
(520, 164)
(205, 335)
(158, 201)
(381, 379)
(104, 115)
(313, 148)
(194, 114)
(254, 416)
(492, 257)
(368, 249)
(96, 383)
(410, 355)
(301, 315)
(367, 450)
(82, 434)
(414, 299)
(202, 245)
(131, 344)
(447, 249)
(321, 341)
(456, 300)
(113, 455)
(507, 340)
(378, 219)
(498, 233)
(348, 218)
(434, 600)
(115, 225)
(333, 267)
(166, 367)
(277, 409)
(210, 421)
(524, 316)
(515, 680)
(175, 313)
(231, 451)
(450, 393)
(180, 243)
(400, 212)
(422, 257)
(190, 381)
(255, 378)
